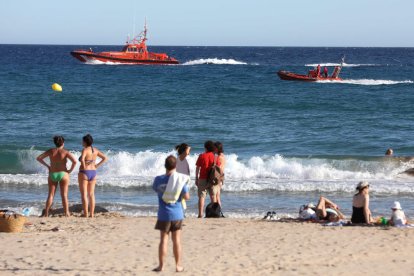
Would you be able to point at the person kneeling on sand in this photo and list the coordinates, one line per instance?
(171, 188)
(327, 210)
(398, 217)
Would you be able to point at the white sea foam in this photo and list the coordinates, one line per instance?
(98, 62)
(368, 82)
(125, 169)
(338, 64)
(218, 61)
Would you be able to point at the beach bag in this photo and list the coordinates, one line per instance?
(215, 175)
(11, 223)
(213, 210)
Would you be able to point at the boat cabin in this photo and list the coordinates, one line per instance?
(133, 48)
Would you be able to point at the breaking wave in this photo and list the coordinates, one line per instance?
(214, 61)
(125, 170)
(368, 82)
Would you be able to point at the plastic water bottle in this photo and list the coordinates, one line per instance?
(26, 212)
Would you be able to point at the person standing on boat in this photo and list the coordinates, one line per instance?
(325, 72)
(318, 71)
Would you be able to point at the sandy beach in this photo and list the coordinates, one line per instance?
(115, 245)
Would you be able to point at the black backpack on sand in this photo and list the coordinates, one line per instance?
(213, 210)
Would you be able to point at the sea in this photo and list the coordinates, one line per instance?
(286, 143)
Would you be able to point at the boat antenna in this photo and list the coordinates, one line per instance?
(133, 27)
(145, 29)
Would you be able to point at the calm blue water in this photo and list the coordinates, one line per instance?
(286, 142)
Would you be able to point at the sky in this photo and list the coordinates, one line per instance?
(350, 23)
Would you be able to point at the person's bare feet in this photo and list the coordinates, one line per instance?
(157, 269)
(179, 269)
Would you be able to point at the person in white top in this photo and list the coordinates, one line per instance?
(183, 151)
(398, 217)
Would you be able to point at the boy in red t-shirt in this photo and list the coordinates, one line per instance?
(204, 162)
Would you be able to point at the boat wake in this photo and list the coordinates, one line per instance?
(337, 64)
(368, 82)
(98, 62)
(216, 61)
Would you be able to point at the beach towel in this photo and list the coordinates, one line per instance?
(338, 223)
(174, 187)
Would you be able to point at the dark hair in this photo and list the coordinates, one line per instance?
(88, 140)
(58, 140)
(170, 162)
(219, 147)
(209, 146)
(181, 148)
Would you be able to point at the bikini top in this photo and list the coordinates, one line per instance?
(87, 161)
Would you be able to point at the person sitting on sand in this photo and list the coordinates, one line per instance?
(170, 215)
(327, 210)
(398, 217)
(360, 204)
(204, 163)
(183, 151)
(58, 172)
(87, 174)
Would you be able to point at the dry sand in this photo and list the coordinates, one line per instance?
(114, 245)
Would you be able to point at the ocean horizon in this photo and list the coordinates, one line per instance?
(286, 143)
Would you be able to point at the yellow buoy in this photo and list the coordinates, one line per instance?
(56, 87)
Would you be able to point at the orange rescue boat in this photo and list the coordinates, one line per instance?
(313, 75)
(134, 52)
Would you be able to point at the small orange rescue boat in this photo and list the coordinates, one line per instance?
(313, 75)
(134, 52)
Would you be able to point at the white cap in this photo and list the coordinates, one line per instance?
(310, 205)
(307, 214)
(396, 205)
(362, 185)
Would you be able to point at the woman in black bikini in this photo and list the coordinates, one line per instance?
(360, 204)
(87, 174)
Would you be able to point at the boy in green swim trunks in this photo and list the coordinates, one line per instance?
(58, 172)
